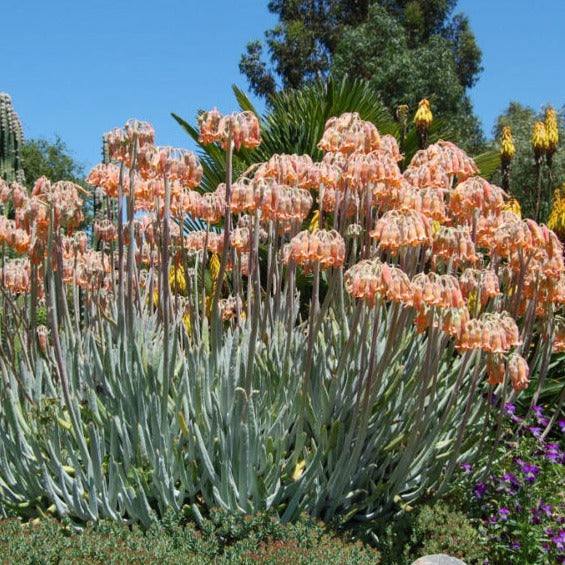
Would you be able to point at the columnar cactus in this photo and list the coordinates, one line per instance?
(11, 141)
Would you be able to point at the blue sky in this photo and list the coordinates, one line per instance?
(79, 69)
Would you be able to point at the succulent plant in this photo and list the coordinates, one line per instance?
(425, 303)
(11, 141)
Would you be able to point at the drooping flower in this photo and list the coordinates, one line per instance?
(400, 228)
(454, 245)
(371, 278)
(348, 133)
(495, 333)
(518, 371)
(320, 246)
(243, 127)
(121, 142)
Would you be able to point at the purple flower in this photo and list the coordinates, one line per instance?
(553, 453)
(510, 479)
(509, 408)
(559, 540)
(561, 425)
(536, 432)
(503, 513)
(466, 467)
(479, 490)
(515, 544)
(538, 411)
(530, 471)
(547, 508)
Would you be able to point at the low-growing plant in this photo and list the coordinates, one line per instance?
(223, 538)
(431, 529)
(518, 502)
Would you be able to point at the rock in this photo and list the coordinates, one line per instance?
(438, 559)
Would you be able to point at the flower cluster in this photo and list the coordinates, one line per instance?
(242, 128)
(326, 248)
(521, 512)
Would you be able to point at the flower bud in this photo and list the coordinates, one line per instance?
(402, 112)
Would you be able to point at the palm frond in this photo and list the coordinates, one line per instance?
(488, 163)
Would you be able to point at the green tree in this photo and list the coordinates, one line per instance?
(521, 120)
(407, 49)
(53, 160)
(403, 71)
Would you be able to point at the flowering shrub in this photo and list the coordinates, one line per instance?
(179, 367)
(519, 502)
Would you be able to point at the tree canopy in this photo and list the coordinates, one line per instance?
(407, 49)
(51, 159)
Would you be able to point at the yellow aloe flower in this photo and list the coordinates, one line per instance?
(472, 302)
(507, 149)
(513, 206)
(551, 130)
(540, 141)
(177, 280)
(315, 223)
(214, 268)
(556, 220)
(187, 323)
(424, 117)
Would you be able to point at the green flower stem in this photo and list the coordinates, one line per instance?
(215, 316)
(131, 246)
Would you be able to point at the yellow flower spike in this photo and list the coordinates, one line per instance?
(424, 117)
(540, 141)
(402, 112)
(556, 220)
(552, 130)
(177, 280)
(315, 223)
(507, 148)
(187, 324)
(214, 268)
(298, 470)
(472, 302)
(513, 206)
